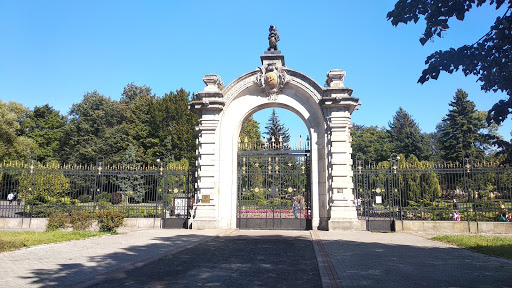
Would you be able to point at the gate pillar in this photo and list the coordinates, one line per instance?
(209, 105)
(338, 106)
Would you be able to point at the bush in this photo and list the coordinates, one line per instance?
(81, 220)
(109, 220)
(85, 198)
(117, 198)
(58, 221)
(105, 197)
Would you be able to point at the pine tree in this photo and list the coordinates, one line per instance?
(131, 185)
(276, 129)
(406, 136)
(459, 131)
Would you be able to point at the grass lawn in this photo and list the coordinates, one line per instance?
(492, 246)
(15, 240)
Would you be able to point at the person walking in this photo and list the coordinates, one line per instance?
(295, 207)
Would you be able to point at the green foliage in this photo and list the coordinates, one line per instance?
(459, 131)
(173, 126)
(276, 131)
(81, 220)
(489, 58)
(406, 137)
(47, 185)
(58, 221)
(492, 246)
(109, 220)
(44, 125)
(105, 197)
(94, 129)
(85, 198)
(250, 134)
(372, 142)
(14, 145)
(131, 184)
(15, 240)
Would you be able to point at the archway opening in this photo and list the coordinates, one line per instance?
(274, 172)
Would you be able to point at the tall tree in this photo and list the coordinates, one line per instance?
(44, 125)
(276, 130)
(14, 145)
(460, 131)
(137, 103)
(489, 58)
(406, 136)
(173, 124)
(94, 129)
(372, 142)
(251, 131)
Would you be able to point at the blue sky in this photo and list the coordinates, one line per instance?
(52, 52)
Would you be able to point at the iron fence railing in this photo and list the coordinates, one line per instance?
(36, 190)
(440, 191)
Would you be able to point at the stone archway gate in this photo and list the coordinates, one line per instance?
(326, 113)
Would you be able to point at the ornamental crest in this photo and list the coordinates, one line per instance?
(271, 78)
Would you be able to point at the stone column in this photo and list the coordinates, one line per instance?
(338, 105)
(208, 105)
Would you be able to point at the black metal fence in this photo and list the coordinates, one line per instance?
(37, 190)
(432, 191)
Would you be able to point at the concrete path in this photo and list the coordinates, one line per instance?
(345, 259)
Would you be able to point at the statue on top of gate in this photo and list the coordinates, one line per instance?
(273, 38)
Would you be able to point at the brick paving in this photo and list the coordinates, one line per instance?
(345, 259)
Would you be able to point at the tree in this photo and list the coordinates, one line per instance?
(406, 137)
(251, 131)
(137, 103)
(489, 58)
(459, 132)
(14, 145)
(44, 126)
(372, 142)
(131, 184)
(174, 126)
(94, 129)
(275, 130)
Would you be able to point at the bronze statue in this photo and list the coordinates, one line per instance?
(273, 38)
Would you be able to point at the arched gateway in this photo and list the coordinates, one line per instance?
(326, 113)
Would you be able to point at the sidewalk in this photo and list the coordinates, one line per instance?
(365, 259)
(345, 259)
(85, 262)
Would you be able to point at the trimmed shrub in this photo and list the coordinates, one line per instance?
(81, 220)
(58, 221)
(109, 220)
(85, 198)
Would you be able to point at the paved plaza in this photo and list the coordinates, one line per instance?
(234, 258)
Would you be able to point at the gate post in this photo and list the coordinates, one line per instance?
(338, 106)
(208, 105)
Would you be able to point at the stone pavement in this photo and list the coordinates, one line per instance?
(345, 259)
(85, 262)
(366, 259)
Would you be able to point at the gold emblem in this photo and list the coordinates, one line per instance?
(271, 80)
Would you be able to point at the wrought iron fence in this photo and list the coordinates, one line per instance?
(36, 190)
(432, 191)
